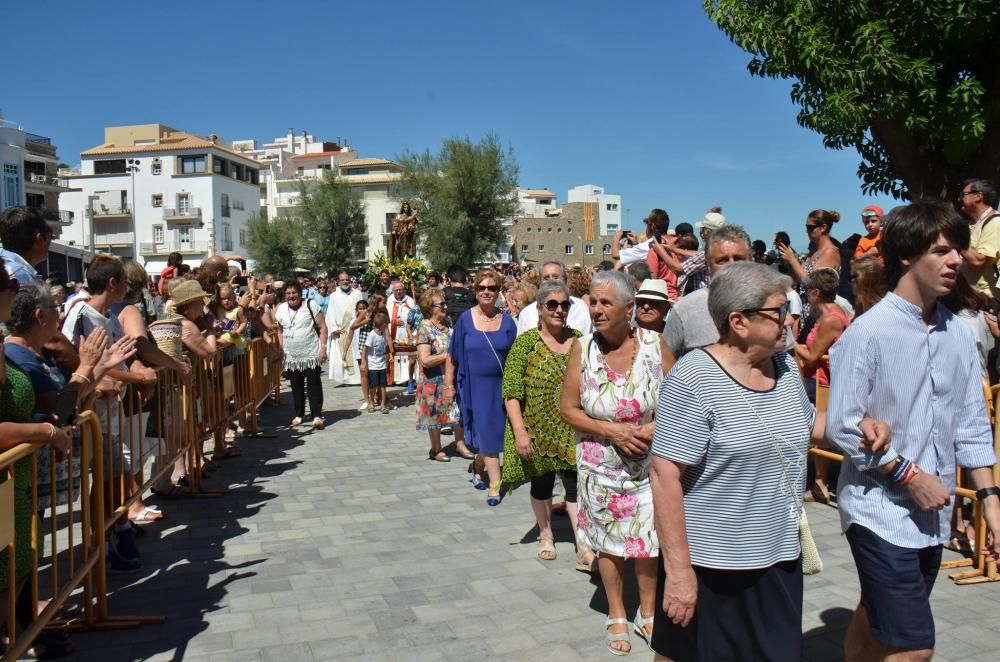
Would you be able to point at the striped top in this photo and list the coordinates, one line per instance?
(741, 499)
(924, 382)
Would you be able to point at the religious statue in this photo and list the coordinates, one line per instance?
(403, 239)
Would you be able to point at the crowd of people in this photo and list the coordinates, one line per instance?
(675, 389)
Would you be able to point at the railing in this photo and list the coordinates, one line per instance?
(35, 138)
(190, 213)
(165, 247)
(86, 493)
(108, 211)
(112, 239)
(43, 180)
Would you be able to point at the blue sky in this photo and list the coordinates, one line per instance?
(648, 99)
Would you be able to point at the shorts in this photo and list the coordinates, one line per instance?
(892, 577)
(378, 378)
(740, 615)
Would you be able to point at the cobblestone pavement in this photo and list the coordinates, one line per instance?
(349, 544)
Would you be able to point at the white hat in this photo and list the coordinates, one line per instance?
(653, 288)
(712, 221)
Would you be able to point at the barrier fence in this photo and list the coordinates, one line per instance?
(74, 501)
(981, 569)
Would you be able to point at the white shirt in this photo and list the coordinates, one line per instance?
(338, 306)
(635, 253)
(578, 318)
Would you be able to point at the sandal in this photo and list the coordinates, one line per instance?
(639, 627)
(440, 456)
(173, 492)
(611, 638)
(230, 452)
(546, 549)
(589, 567)
(146, 515)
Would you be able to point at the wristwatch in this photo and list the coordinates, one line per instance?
(987, 492)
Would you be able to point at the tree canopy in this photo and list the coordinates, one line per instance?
(272, 246)
(462, 195)
(913, 85)
(334, 226)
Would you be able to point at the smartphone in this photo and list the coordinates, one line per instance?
(66, 406)
(240, 281)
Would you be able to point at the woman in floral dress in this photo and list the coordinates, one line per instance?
(612, 383)
(432, 351)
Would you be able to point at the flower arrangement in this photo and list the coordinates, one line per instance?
(405, 269)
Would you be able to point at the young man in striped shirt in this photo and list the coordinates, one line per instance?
(911, 363)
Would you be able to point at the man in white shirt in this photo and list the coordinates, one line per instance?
(339, 313)
(579, 312)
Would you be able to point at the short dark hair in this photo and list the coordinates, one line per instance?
(380, 318)
(102, 269)
(18, 227)
(912, 229)
(22, 311)
(293, 285)
(759, 246)
(457, 274)
(782, 237)
(606, 265)
(984, 186)
(826, 280)
(659, 218)
(175, 259)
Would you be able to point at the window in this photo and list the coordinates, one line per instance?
(612, 206)
(243, 237)
(225, 205)
(157, 167)
(545, 201)
(227, 237)
(357, 171)
(158, 235)
(157, 199)
(10, 196)
(524, 248)
(184, 235)
(192, 164)
(109, 167)
(588, 249)
(300, 170)
(569, 249)
(389, 218)
(612, 227)
(220, 166)
(606, 249)
(183, 204)
(541, 247)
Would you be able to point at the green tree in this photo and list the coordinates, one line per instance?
(913, 85)
(463, 194)
(334, 226)
(273, 245)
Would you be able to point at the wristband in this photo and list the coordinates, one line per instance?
(52, 432)
(901, 468)
(449, 386)
(911, 473)
(82, 376)
(987, 492)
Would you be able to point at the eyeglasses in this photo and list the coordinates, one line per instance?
(439, 304)
(965, 193)
(552, 304)
(782, 312)
(488, 288)
(811, 226)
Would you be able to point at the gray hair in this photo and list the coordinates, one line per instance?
(550, 287)
(623, 284)
(22, 312)
(742, 286)
(562, 267)
(732, 233)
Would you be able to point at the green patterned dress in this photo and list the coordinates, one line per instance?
(17, 400)
(534, 375)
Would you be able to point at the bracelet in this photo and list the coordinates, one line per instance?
(911, 473)
(452, 387)
(52, 432)
(901, 468)
(82, 376)
(987, 492)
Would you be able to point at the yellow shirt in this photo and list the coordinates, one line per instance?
(985, 238)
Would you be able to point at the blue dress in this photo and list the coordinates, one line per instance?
(479, 358)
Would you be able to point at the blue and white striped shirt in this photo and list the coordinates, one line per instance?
(924, 382)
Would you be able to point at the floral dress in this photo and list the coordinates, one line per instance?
(431, 413)
(616, 499)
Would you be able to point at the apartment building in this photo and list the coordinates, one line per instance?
(149, 190)
(578, 232)
(29, 174)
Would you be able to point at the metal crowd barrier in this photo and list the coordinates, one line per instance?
(74, 503)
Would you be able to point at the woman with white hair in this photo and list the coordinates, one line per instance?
(609, 396)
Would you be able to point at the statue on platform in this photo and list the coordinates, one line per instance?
(403, 239)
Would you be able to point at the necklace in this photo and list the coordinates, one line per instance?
(488, 318)
(604, 361)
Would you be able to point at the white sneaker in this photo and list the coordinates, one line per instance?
(364, 406)
(296, 421)
(318, 423)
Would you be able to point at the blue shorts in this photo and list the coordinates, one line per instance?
(896, 585)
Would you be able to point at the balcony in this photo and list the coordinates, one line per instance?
(47, 182)
(107, 211)
(57, 216)
(167, 247)
(112, 240)
(189, 214)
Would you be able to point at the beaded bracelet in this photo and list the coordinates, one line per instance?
(901, 468)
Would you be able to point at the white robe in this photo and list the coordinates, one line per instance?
(401, 371)
(339, 312)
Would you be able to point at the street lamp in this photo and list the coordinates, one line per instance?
(132, 167)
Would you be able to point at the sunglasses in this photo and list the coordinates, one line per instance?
(782, 312)
(552, 305)
(439, 304)
(810, 227)
(489, 288)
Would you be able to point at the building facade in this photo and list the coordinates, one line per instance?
(149, 190)
(609, 204)
(570, 234)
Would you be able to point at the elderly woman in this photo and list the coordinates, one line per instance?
(479, 344)
(537, 443)
(733, 428)
(520, 296)
(433, 335)
(609, 396)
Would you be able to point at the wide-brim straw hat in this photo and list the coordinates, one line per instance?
(187, 291)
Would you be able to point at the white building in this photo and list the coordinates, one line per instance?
(609, 204)
(29, 165)
(150, 190)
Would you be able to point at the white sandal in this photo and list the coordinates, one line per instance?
(639, 627)
(610, 638)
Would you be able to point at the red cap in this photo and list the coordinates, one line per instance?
(873, 208)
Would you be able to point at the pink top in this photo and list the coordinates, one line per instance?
(822, 369)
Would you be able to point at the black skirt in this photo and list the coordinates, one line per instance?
(741, 615)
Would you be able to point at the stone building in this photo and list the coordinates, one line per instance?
(572, 235)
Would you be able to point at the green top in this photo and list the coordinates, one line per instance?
(534, 375)
(17, 400)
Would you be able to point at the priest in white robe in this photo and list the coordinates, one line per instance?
(339, 313)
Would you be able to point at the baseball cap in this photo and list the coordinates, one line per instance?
(683, 229)
(712, 221)
(872, 210)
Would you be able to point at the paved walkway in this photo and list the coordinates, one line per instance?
(347, 543)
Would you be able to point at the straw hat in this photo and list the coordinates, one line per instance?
(186, 292)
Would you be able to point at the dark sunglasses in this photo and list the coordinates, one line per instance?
(810, 227)
(439, 304)
(551, 305)
(489, 288)
(782, 312)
